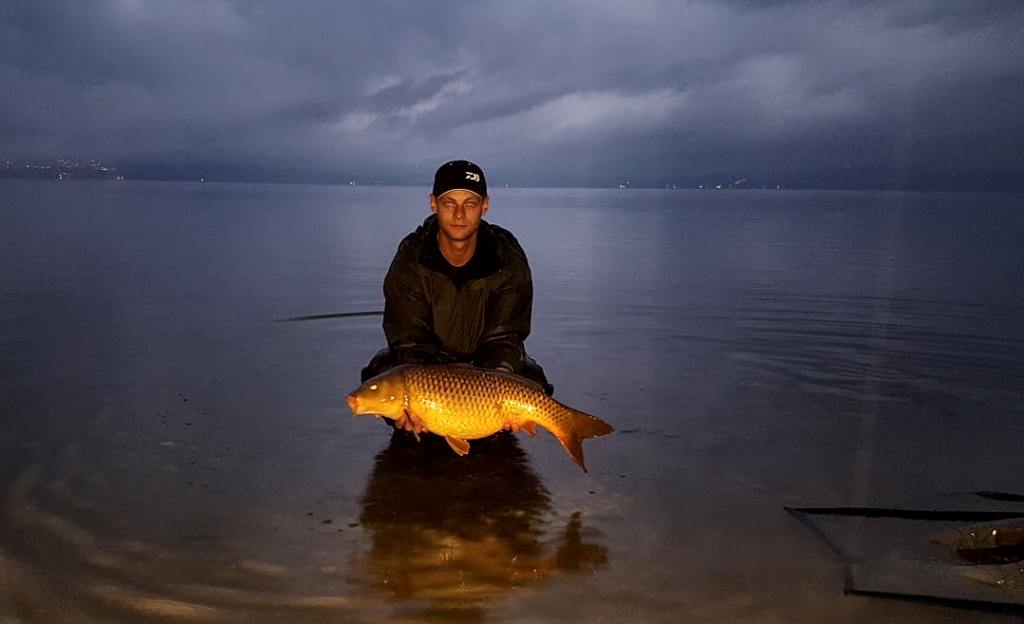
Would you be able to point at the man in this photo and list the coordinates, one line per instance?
(459, 289)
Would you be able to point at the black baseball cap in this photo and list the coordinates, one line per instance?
(459, 175)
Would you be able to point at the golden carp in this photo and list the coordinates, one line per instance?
(462, 402)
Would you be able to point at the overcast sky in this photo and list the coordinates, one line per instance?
(535, 91)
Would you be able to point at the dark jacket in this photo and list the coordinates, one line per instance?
(479, 313)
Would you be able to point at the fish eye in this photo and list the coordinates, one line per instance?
(373, 386)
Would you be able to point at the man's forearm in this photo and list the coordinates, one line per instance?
(416, 354)
(505, 352)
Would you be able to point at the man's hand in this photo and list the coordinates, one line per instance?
(507, 369)
(410, 423)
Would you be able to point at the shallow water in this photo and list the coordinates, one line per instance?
(172, 454)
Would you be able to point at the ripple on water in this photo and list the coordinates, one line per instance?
(884, 349)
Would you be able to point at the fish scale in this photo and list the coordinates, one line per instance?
(463, 402)
(448, 400)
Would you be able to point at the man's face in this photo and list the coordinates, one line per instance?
(459, 213)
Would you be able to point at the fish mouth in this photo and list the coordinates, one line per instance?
(353, 403)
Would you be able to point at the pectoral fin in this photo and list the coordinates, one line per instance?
(458, 445)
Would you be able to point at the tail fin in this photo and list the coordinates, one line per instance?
(581, 426)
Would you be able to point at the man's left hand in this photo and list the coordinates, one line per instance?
(410, 423)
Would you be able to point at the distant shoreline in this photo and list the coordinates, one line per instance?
(826, 180)
(497, 191)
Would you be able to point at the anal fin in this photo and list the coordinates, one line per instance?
(458, 445)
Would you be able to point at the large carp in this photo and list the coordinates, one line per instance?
(462, 402)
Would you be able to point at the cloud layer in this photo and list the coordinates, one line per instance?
(538, 92)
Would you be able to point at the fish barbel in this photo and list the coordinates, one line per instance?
(462, 402)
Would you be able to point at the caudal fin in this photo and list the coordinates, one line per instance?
(579, 427)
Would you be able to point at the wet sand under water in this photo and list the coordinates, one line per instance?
(311, 515)
(438, 536)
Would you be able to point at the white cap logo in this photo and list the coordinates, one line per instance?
(475, 177)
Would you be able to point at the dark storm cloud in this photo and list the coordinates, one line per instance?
(545, 92)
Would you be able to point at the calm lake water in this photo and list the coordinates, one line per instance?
(170, 453)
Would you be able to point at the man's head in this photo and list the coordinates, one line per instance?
(459, 175)
(459, 199)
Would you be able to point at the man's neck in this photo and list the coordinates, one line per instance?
(457, 253)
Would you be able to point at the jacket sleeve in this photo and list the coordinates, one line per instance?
(508, 321)
(406, 314)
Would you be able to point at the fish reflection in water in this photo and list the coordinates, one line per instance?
(460, 532)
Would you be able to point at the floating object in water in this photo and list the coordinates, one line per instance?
(990, 543)
(328, 316)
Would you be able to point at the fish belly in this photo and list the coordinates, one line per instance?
(460, 426)
(464, 402)
(457, 416)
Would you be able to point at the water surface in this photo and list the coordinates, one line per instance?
(171, 453)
